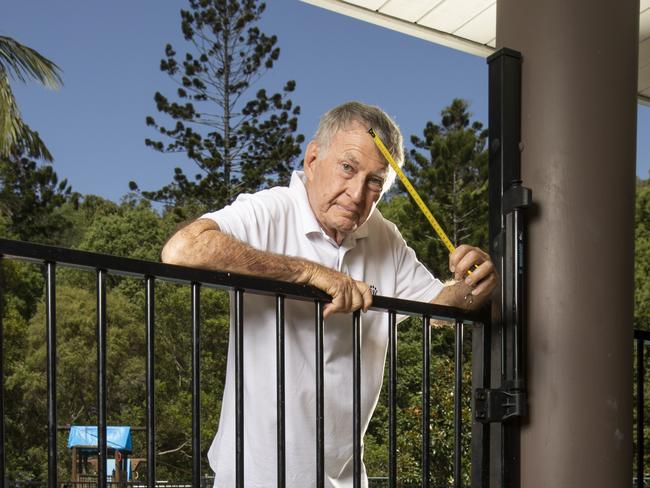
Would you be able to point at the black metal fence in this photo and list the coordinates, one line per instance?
(150, 272)
(206, 482)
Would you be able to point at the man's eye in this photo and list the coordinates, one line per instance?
(346, 167)
(376, 184)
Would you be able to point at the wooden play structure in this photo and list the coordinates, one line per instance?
(120, 468)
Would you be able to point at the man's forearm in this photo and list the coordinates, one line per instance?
(202, 245)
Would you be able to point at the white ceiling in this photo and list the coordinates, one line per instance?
(467, 25)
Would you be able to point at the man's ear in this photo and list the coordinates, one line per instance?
(311, 155)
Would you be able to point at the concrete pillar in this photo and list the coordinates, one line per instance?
(579, 83)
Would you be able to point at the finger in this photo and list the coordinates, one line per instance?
(456, 256)
(486, 286)
(348, 298)
(459, 254)
(357, 300)
(337, 304)
(362, 296)
(340, 295)
(467, 262)
(479, 273)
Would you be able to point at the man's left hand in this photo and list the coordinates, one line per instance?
(474, 268)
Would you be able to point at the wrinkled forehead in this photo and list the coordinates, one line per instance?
(356, 139)
(342, 128)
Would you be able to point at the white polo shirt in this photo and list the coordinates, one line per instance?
(280, 220)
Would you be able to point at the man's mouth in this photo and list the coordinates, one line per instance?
(349, 209)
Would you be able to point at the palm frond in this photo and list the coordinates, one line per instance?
(23, 63)
(10, 120)
(13, 131)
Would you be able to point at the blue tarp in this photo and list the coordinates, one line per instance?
(86, 436)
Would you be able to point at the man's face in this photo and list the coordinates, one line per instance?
(345, 180)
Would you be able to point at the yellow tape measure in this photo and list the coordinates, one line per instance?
(427, 213)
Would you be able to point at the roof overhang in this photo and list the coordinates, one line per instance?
(466, 25)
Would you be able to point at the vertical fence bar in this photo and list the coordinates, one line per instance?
(320, 400)
(50, 326)
(151, 411)
(279, 342)
(458, 412)
(196, 385)
(392, 399)
(239, 388)
(426, 397)
(2, 377)
(101, 377)
(481, 374)
(640, 377)
(356, 398)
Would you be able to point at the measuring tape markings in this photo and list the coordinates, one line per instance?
(409, 187)
(414, 194)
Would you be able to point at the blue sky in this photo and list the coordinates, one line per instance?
(110, 53)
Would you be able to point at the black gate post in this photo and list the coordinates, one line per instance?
(501, 402)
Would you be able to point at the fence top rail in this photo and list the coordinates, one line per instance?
(137, 268)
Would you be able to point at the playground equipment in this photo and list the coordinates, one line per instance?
(83, 443)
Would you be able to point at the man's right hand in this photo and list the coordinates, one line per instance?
(348, 295)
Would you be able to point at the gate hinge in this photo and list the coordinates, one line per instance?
(498, 405)
(517, 196)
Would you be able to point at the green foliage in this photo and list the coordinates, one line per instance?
(448, 167)
(133, 229)
(409, 410)
(76, 372)
(642, 256)
(642, 294)
(31, 199)
(30, 195)
(237, 146)
(174, 370)
(142, 232)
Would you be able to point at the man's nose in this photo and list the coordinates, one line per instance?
(356, 190)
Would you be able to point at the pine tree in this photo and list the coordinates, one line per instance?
(30, 195)
(237, 146)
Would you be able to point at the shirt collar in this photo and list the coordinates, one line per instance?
(309, 223)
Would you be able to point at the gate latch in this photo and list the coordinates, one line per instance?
(498, 405)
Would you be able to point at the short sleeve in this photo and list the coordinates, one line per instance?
(413, 280)
(250, 218)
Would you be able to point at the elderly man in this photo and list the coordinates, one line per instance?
(322, 230)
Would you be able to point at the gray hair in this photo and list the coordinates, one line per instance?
(371, 116)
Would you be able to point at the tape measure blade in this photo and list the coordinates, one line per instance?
(411, 190)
